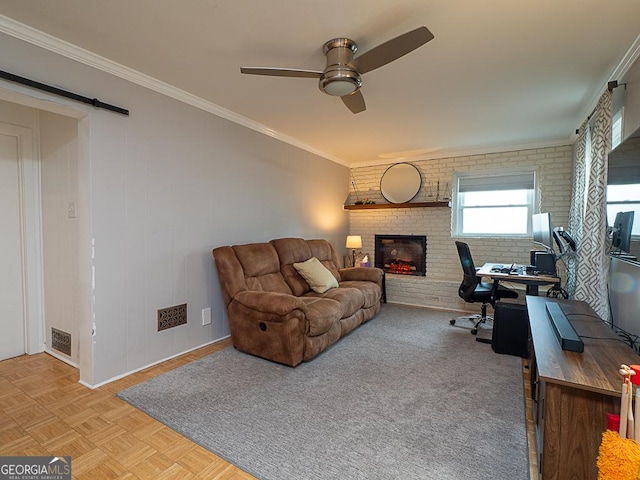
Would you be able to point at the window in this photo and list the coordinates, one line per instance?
(617, 122)
(623, 182)
(493, 204)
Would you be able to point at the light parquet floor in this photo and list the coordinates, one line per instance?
(45, 411)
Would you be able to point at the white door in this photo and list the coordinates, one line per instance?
(12, 314)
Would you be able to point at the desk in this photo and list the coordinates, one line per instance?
(573, 392)
(531, 281)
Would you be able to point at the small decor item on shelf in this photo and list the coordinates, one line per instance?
(366, 201)
(447, 193)
(362, 260)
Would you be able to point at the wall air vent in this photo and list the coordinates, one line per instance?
(172, 316)
(61, 341)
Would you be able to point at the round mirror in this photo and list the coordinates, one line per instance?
(400, 182)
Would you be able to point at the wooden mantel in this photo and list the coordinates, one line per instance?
(372, 206)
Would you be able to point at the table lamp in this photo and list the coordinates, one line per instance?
(353, 242)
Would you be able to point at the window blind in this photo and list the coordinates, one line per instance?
(621, 174)
(624, 163)
(515, 181)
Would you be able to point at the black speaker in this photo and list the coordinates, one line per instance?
(545, 263)
(510, 329)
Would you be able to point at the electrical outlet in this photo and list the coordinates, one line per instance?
(206, 316)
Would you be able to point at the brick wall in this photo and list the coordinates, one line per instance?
(439, 288)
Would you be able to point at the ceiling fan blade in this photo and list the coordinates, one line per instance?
(392, 50)
(355, 102)
(280, 72)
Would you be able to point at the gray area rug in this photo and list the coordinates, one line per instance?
(405, 396)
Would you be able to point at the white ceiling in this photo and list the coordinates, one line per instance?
(499, 73)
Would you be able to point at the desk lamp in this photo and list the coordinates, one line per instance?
(353, 242)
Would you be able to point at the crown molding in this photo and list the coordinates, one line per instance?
(618, 73)
(627, 61)
(56, 45)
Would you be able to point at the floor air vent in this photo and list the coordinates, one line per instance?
(61, 341)
(172, 316)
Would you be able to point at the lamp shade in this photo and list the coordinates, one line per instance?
(354, 241)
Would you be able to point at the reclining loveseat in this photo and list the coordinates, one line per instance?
(288, 300)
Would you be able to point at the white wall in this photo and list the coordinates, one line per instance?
(630, 94)
(439, 288)
(157, 190)
(60, 236)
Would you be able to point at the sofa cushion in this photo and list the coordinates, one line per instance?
(350, 299)
(371, 291)
(230, 272)
(319, 278)
(323, 251)
(261, 267)
(321, 314)
(290, 251)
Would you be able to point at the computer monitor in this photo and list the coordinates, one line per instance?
(543, 230)
(621, 237)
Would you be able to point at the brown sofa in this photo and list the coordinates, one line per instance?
(274, 313)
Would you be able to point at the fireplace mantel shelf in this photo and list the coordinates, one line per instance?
(371, 206)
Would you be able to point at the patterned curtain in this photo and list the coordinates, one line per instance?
(581, 157)
(588, 270)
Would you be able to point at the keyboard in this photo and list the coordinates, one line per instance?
(515, 270)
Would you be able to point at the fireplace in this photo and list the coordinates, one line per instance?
(401, 254)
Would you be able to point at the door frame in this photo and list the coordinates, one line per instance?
(36, 334)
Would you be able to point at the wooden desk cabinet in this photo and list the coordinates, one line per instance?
(573, 392)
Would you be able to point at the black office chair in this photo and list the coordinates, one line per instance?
(473, 290)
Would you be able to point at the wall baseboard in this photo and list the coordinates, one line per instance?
(126, 374)
(62, 358)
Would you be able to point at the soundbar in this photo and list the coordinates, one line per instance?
(565, 333)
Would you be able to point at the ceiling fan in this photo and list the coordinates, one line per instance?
(342, 75)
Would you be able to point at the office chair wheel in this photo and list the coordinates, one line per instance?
(474, 331)
(452, 321)
(557, 292)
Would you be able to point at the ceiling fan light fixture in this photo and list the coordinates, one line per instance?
(340, 82)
